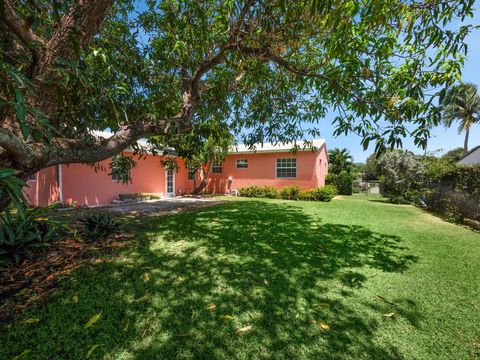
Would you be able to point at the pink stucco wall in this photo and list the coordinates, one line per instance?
(44, 189)
(311, 171)
(81, 183)
(88, 185)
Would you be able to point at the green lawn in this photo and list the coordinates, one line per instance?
(350, 279)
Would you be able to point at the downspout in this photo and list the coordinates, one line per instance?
(60, 185)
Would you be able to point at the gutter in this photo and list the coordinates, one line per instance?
(60, 183)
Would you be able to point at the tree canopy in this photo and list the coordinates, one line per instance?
(266, 69)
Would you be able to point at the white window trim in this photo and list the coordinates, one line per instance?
(173, 181)
(281, 177)
(218, 166)
(242, 168)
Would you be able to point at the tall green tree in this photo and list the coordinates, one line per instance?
(340, 160)
(266, 68)
(461, 103)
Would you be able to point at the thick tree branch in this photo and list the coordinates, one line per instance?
(14, 146)
(191, 92)
(83, 19)
(63, 150)
(20, 28)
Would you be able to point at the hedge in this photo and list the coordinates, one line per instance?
(343, 182)
(325, 193)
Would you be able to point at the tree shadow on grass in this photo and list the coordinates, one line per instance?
(249, 280)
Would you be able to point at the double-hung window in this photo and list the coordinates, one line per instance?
(217, 167)
(242, 163)
(287, 168)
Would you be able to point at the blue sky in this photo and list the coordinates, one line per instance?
(442, 138)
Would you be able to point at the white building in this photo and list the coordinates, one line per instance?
(472, 157)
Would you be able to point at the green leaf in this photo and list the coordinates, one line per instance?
(21, 113)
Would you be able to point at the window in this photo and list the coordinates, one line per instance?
(242, 163)
(32, 177)
(191, 174)
(217, 167)
(287, 168)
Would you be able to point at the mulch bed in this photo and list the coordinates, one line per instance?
(34, 279)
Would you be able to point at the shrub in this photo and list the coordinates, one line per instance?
(259, 192)
(23, 232)
(325, 193)
(290, 192)
(12, 186)
(400, 171)
(98, 226)
(455, 206)
(343, 182)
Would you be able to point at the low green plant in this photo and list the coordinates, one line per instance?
(23, 231)
(98, 226)
(290, 192)
(12, 186)
(259, 192)
(325, 193)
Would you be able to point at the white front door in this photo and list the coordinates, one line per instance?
(169, 182)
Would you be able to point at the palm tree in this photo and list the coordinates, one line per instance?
(339, 160)
(462, 103)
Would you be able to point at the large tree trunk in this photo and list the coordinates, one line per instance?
(203, 184)
(465, 142)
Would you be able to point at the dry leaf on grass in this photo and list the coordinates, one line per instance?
(75, 299)
(31, 321)
(389, 315)
(321, 305)
(322, 325)
(93, 319)
(211, 307)
(92, 349)
(244, 329)
(382, 298)
(24, 352)
(141, 299)
(226, 317)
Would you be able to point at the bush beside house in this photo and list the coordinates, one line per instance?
(341, 171)
(342, 181)
(325, 193)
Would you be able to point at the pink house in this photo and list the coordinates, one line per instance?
(272, 165)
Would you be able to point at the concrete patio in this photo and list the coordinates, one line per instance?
(162, 206)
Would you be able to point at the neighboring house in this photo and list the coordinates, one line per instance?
(272, 165)
(471, 158)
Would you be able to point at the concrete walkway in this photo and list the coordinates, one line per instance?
(163, 206)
